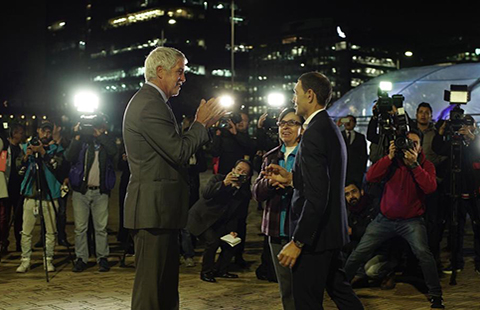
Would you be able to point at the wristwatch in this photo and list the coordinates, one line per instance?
(414, 165)
(298, 243)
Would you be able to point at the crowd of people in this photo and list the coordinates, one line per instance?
(329, 217)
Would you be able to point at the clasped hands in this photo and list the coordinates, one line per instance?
(278, 176)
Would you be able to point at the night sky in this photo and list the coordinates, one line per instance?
(23, 28)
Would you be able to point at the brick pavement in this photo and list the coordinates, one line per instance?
(112, 290)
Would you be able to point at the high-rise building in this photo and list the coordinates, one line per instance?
(103, 45)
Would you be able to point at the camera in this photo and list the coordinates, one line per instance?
(393, 123)
(242, 178)
(35, 141)
(88, 123)
(232, 116)
(457, 95)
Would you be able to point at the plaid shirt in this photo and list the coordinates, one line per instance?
(262, 191)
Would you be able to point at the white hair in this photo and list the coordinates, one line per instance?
(166, 57)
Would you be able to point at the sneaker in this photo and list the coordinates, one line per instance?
(436, 302)
(49, 266)
(449, 270)
(24, 265)
(79, 266)
(189, 262)
(103, 265)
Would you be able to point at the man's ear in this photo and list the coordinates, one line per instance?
(362, 192)
(160, 71)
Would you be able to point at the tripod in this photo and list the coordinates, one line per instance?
(42, 197)
(456, 154)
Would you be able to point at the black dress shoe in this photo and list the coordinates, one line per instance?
(64, 242)
(227, 275)
(207, 277)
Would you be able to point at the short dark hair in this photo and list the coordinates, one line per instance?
(288, 111)
(246, 162)
(319, 84)
(425, 105)
(13, 127)
(351, 182)
(417, 132)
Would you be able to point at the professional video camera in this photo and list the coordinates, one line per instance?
(457, 95)
(88, 123)
(392, 119)
(232, 116)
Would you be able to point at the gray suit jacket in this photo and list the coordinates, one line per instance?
(157, 193)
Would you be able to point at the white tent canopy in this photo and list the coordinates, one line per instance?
(420, 84)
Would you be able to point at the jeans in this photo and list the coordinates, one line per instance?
(62, 217)
(96, 203)
(187, 249)
(31, 211)
(413, 231)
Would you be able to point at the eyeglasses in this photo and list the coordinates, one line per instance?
(289, 123)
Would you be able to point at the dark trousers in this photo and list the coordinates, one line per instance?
(212, 241)
(156, 274)
(435, 213)
(316, 272)
(465, 206)
(62, 217)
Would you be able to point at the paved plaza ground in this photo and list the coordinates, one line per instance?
(92, 290)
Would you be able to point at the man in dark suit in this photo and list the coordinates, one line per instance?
(156, 204)
(357, 155)
(216, 214)
(318, 218)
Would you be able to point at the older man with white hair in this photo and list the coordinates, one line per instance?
(156, 204)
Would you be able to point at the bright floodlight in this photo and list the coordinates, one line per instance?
(226, 101)
(409, 53)
(276, 99)
(386, 86)
(86, 101)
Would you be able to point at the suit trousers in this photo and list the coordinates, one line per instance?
(157, 269)
(315, 272)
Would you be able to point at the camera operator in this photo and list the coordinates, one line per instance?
(216, 213)
(435, 202)
(39, 164)
(92, 178)
(469, 186)
(408, 177)
(229, 145)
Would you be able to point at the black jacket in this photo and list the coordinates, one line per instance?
(318, 215)
(230, 148)
(219, 204)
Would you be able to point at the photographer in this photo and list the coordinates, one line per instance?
(230, 144)
(408, 176)
(92, 178)
(216, 213)
(39, 164)
(467, 136)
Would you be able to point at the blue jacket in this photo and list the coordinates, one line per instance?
(50, 163)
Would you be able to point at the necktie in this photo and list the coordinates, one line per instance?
(348, 137)
(174, 120)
